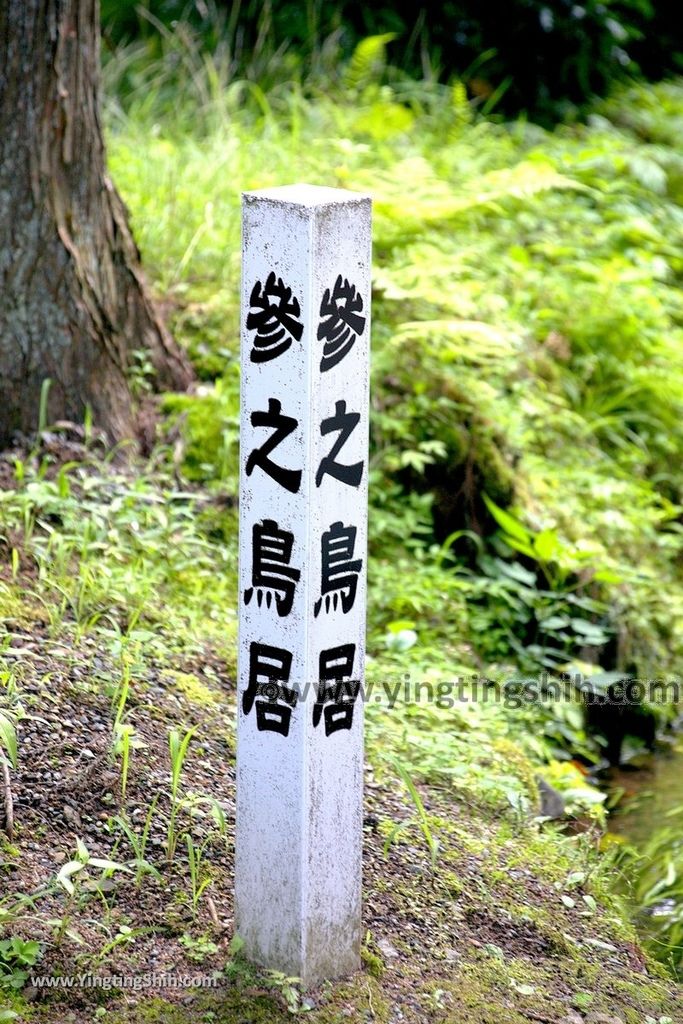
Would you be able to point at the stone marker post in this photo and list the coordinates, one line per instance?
(302, 579)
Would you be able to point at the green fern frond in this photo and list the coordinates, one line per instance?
(462, 112)
(367, 61)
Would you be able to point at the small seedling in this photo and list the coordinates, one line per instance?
(421, 821)
(16, 956)
(178, 745)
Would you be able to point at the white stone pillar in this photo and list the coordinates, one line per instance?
(303, 560)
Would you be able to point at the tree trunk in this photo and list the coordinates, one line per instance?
(73, 302)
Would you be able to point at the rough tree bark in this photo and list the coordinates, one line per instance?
(73, 302)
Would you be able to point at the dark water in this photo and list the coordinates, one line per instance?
(649, 793)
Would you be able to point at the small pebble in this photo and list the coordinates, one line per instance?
(386, 948)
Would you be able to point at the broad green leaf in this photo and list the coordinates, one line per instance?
(509, 524)
(8, 739)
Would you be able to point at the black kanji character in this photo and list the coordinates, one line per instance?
(339, 569)
(337, 700)
(343, 324)
(269, 670)
(282, 426)
(345, 422)
(271, 571)
(274, 316)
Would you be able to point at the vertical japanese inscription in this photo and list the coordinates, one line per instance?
(273, 323)
(303, 529)
(274, 319)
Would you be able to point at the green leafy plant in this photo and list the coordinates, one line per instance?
(8, 759)
(124, 735)
(8, 738)
(198, 948)
(125, 739)
(138, 841)
(17, 956)
(200, 879)
(125, 936)
(288, 987)
(178, 744)
(90, 873)
(421, 821)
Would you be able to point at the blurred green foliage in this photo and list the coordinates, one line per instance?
(546, 57)
(526, 353)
